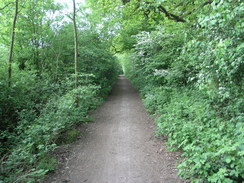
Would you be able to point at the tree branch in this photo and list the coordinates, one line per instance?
(201, 6)
(170, 15)
(6, 6)
(125, 1)
(10, 60)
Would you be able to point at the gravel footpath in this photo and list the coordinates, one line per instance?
(118, 147)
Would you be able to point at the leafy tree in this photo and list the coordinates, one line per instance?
(188, 67)
(42, 102)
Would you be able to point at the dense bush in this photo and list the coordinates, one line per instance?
(35, 138)
(192, 79)
(213, 146)
(186, 58)
(40, 105)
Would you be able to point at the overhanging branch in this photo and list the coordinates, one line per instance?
(201, 6)
(170, 15)
(6, 6)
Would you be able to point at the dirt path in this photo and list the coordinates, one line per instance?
(119, 147)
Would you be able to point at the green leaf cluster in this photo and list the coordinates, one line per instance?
(191, 77)
(42, 102)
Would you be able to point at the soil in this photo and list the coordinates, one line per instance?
(118, 147)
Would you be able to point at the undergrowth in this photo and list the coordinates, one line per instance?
(192, 79)
(212, 145)
(29, 161)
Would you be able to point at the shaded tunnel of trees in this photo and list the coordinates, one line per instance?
(185, 57)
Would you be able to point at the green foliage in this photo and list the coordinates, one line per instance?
(47, 163)
(68, 136)
(42, 102)
(156, 98)
(34, 139)
(186, 58)
(213, 147)
(191, 76)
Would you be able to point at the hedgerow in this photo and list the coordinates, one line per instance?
(35, 139)
(40, 106)
(192, 79)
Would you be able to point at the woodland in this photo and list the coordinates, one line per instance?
(58, 63)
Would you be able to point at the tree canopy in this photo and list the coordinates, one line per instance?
(184, 56)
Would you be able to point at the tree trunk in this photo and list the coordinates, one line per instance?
(12, 44)
(75, 45)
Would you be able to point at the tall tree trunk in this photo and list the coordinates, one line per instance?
(75, 44)
(12, 44)
(57, 66)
